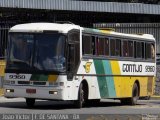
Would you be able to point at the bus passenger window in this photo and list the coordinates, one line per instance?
(107, 46)
(139, 49)
(115, 47)
(130, 48)
(100, 46)
(93, 47)
(112, 47)
(118, 47)
(125, 49)
(87, 45)
(150, 51)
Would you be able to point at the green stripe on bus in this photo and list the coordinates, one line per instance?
(39, 77)
(109, 80)
(101, 80)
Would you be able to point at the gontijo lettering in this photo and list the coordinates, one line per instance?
(132, 68)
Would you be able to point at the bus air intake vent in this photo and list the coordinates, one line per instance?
(39, 83)
(24, 82)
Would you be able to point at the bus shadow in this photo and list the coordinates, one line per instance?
(57, 105)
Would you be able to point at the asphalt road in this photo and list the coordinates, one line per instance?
(17, 105)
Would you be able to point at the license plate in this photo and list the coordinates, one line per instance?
(31, 91)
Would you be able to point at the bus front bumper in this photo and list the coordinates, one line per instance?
(34, 92)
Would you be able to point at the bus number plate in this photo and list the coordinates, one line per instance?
(31, 91)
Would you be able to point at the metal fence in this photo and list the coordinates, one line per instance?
(3, 40)
(3, 46)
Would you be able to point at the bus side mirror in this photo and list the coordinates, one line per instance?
(70, 61)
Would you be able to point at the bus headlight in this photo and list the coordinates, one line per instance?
(53, 92)
(9, 90)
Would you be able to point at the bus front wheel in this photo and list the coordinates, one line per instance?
(80, 102)
(30, 102)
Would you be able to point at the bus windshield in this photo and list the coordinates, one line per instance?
(37, 51)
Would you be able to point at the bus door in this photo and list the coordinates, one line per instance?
(73, 58)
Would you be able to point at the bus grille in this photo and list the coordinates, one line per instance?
(24, 82)
(39, 83)
(31, 83)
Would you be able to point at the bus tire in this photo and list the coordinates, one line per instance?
(80, 102)
(135, 95)
(124, 101)
(30, 102)
(147, 97)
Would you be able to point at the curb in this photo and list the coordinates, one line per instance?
(155, 97)
(1, 92)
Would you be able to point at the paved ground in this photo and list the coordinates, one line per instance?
(111, 108)
(17, 105)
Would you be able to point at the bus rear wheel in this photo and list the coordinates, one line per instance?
(30, 102)
(135, 96)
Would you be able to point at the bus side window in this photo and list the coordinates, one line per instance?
(139, 49)
(143, 54)
(125, 49)
(93, 45)
(115, 47)
(118, 47)
(106, 46)
(112, 47)
(130, 48)
(87, 45)
(150, 51)
(153, 51)
(100, 46)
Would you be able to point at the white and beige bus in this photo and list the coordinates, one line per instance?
(67, 62)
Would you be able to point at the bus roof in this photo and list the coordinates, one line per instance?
(118, 34)
(40, 27)
(64, 28)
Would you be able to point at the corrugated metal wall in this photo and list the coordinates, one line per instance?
(135, 28)
(112, 7)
